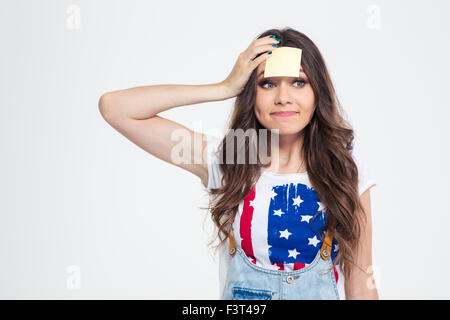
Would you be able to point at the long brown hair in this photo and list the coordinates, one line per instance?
(327, 143)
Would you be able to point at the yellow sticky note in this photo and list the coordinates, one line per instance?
(283, 62)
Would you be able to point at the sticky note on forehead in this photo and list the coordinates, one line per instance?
(283, 62)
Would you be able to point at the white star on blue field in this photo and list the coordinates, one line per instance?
(292, 234)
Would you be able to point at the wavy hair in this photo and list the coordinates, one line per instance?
(327, 145)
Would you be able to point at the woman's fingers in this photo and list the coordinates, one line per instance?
(246, 63)
(256, 62)
(258, 46)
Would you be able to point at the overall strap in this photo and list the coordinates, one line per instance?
(232, 247)
(325, 250)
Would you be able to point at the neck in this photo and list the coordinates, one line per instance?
(288, 156)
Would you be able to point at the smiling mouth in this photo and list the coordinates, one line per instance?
(284, 113)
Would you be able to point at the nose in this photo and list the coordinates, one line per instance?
(283, 95)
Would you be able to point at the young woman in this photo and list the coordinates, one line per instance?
(298, 227)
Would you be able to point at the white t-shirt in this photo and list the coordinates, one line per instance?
(274, 224)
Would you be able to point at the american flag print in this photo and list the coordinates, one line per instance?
(277, 228)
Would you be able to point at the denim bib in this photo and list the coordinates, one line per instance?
(247, 281)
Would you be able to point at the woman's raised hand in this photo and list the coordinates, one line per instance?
(246, 63)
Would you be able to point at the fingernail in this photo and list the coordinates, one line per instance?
(270, 52)
(275, 45)
(272, 36)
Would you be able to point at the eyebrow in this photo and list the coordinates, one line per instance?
(301, 71)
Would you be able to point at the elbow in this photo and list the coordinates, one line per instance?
(105, 106)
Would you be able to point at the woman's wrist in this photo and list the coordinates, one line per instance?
(228, 93)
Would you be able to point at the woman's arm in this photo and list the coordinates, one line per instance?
(133, 113)
(361, 285)
(141, 103)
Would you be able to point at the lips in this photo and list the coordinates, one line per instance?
(284, 113)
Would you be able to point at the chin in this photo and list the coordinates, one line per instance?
(287, 131)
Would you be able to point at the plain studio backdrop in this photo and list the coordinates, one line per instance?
(85, 213)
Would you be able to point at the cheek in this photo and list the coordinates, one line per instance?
(309, 98)
(260, 109)
(259, 115)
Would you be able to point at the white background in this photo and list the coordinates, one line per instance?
(87, 214)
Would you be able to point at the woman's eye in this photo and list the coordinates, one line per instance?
(263, 83)
(302, 81)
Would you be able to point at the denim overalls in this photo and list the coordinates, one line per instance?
(247, 281)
